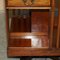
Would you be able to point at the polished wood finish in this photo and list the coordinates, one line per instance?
(28, 7)
(19, 43)
(52, 22)
(40, 21)
(36, 30)
(20, 24)
(58, 31)
(17, 34)
(21, 3)
(15, 51)
(33, 41)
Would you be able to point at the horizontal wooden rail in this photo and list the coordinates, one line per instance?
(19, 51)
(17, 34)
(28, 7)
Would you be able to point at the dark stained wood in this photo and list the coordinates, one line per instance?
(15, 51)
(20, 24)
(52, 22)
(58, 30)
(54, 37)
(59, 20)
(55, 21)
(39, 37)
(29, 41)
(19, 43)
(40, 21)
(22, 31)
(55, 31)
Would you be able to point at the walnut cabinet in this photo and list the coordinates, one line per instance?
(32, 28)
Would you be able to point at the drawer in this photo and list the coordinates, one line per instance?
(19, 43)
(32, 3)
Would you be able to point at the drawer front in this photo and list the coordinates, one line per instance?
(28, 3)
(19, 43)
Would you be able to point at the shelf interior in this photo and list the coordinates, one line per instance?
(35, 22)
(30, 28)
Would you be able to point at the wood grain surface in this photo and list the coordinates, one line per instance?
(28, 3)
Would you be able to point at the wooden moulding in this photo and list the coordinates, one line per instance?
(16, 51)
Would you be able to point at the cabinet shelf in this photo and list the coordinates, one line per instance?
(17, 34)
(28, 7)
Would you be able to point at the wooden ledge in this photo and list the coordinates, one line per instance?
(18, 34)
(28, 7)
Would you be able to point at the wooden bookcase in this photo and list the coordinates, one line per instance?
(34, 33)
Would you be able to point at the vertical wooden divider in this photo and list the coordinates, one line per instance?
(58, 30)
(52, 22)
